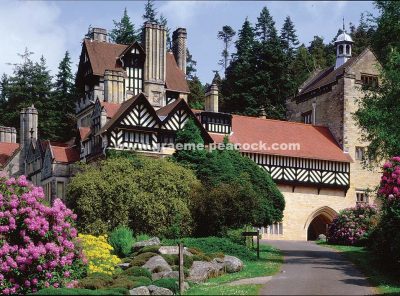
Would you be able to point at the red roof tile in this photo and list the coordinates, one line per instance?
(84, 133)
(65, 154)
(6, 151)
(316, 142)
(175, 78)
(111, 108)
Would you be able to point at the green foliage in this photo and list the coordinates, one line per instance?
(216, 245)
(190, 67)
(141, 259)
(226, 35)
(170, 284)
(66, 291)
(173, 259)
(137, 272)
(121, 239)
(197, 93)
(124, 31)
(125, 282)
(95, 281)
(235, 235)
(150, 13)
(142, 193)
(151, 249)
(378, 113)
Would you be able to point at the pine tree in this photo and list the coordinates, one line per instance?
(318, 52)
(124, 31)
(197, 93)
(190, 65)
(265, 27)
(63, 102)
(302, 66)
(236, 88)
(361, 35)
(288, 36)
(164, 22)
(150, 13)
(226, 35)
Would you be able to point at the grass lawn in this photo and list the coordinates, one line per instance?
(386, 281)
(269, 264)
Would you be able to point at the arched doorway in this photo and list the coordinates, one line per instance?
(318, 221)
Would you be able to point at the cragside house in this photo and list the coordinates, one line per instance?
(135, 98)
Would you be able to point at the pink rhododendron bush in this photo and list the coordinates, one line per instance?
(385, 240)
(37, 247)
(352, 226)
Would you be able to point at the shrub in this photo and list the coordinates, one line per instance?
(201, 257)
(216, 244)
(121, 239)
(141, 237)
(141, 259)
(98, 253)
(170, 284)
(37, 247)
(173, 259)
(385, 239)
(151, 249)
(235, 235)
(353, 225)
(137, 271)
(95, 281)
(142, 193)
(53, 291)
(123, 282)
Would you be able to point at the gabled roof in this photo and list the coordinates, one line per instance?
(124, 107)
(175, 79)
(65, 154)
(316, 142)
(111, 108)
(7, 150)
(104, 56)
(84, 133)
(129, 47)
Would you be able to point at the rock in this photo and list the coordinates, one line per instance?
(142, 290)
(173, 250)
(154, 290)
(165, 275)
(202, 270)
(157, 264)
(154, 241)
(321, 237)
(123, 266)
(232, 264)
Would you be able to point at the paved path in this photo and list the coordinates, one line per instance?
(310, 269)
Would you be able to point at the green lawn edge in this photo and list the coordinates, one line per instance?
(270, 263)
(386, 282)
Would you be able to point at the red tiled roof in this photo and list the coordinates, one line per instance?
(175, 78)
(111, 108)
(316, 142)
(84, 133)
(104, 56)
(65, 154)
(6, 151)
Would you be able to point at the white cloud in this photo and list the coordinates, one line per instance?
(34, 25)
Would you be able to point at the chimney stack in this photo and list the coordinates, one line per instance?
(179, 38)
(211, 101)
(28, 130)
(98, 34)
(8, 134)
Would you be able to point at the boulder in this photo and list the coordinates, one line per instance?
(202, 270)
(232, 264)
(142, 290)
(154, 290)
(165, 275)
(321, 237)
(123, 266)
(173, 250)
(154, 241)
(157, 264)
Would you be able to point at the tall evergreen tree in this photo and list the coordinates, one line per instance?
(302, 66)
(124, 31)
(164, 22)
(197, 93)
(361, 35)
(318, 52)
(288, 36)
(150, 13)
(226, 35)
(236, 88)
(190, 65)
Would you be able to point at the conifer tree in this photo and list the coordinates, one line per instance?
(226, 35)
(197, 93)
(150, 13)
(190, 65)
(124, 31)
(164, 22)
(288, 36)
(302, 66)
(361, 35)
(318, 52)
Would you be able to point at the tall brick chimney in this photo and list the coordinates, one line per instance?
(179, 38)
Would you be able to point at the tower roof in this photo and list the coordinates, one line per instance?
(344, 37)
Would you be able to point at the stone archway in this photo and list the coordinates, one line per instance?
(317, 222)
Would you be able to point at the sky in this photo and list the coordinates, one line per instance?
(50, 28)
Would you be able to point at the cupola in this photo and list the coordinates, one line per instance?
(343, 45)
